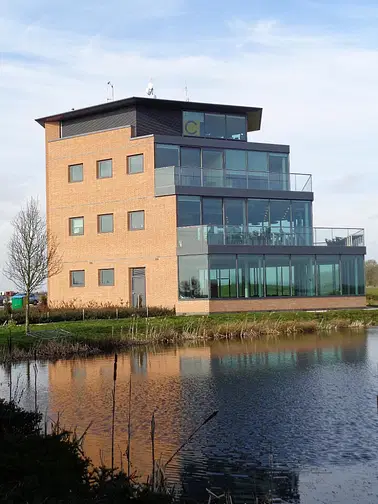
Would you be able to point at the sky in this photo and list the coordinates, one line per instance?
(311, 65)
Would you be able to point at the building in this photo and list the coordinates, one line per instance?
(167, 203)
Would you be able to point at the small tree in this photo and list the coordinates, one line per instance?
(32, 253)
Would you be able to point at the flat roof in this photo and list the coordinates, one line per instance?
(253, 113)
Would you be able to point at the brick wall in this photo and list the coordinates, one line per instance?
(153, 248)
(270, 304)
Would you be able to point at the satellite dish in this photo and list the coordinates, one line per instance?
(150, 89)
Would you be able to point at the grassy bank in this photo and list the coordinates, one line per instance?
(372, 296)
(101, 336)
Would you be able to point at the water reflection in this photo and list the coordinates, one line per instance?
(286, 410)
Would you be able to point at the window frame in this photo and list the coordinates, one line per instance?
(99, 223)
(69, 173)
(99, 277)
(225, 115)
(70, 220)
(128, 163)
(98, 168)
(71, 278)
(129, 218)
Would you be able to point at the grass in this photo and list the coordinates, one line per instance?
(102, 336)
(372, 296)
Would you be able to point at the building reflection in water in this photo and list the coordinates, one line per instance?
(270, 396)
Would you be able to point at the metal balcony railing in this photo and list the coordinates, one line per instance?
(238, 179)
(251, 235)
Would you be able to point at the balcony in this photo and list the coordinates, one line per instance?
(169, 177)
(200, 237)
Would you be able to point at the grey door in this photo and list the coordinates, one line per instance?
(138, 287)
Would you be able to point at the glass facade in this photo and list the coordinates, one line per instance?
(277, 222)
(201, 124)
(193, 277)
(219, 276)
(235, 168)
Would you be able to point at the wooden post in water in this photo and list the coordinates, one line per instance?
(114, 406)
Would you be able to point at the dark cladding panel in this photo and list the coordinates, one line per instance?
(158, 121)
(99, 122)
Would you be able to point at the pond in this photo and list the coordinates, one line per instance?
(297, 419)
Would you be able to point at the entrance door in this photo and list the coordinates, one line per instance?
(138, 287)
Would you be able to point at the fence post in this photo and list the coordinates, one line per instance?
(116, 312)
(83, 314)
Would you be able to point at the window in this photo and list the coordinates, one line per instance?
(193, 277)
(77, 278)
(258, 175)
(135, 164)
(76, 226)
(280, 222)
(303, 275)
(190, 170)
(250, 276)
(106, 276)
(328, 275)
(236, 165)
(188, 211)
(193, 124)
(301, 212)
(234, 215)
(236, 127)
(222, 272)
(104, 168)
(215, 125)
(75, 173)
(352, 275)
(136, 220)
(167, 155)
(277, 275)
(212, 163)
(212, 217)
(105, 223)
(279, 177)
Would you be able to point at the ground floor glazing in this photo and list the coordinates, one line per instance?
(229, 276)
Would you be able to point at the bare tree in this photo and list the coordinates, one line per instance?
(33, 254)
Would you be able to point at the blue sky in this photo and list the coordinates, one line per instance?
(312, 65)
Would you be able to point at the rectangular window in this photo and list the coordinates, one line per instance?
(75, 173)
(258, 175)
(234, 218)
(105, 223)
(303, 275)
(301, 213)
(104, 168)
(190, 169)
(215, 125)
(352, 275)
(193, 277)
(280, 222)
(193, 124)
(166, 155)
(188, 211)
(76, 226)
(277, 275)
(236, 166)
(328, 275)
(279, 178)
(106, 276)
(135, 164)
(236, 127)
(77, 278)
(222, 271)
(250, 276)
(212, 218)
(212, 163)
(136, 220)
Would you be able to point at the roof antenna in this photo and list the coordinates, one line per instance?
(112, 92)
(150, 89)
(186, 92)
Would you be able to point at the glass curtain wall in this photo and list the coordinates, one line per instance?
(352, 275)
(212, 218)
(277, 275)
(302, 275)
(234, 218)
(250, 276)
(222, 274)
(193, 277)
(328, 275)
(191, 167)
(212, 162)
(301, 214)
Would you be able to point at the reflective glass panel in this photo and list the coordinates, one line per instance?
(250, 276)
(166, 155)
(222, 271)
(236, 127)
(188, 211)
(328, 275)
(193, 277)
(303, 275)
(193, 124)
(277, 275)
(215, 125)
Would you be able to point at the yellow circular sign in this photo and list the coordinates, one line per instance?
(192, 128)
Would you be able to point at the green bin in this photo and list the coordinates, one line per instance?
(17, 302)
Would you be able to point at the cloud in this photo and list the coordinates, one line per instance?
(318, 91)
